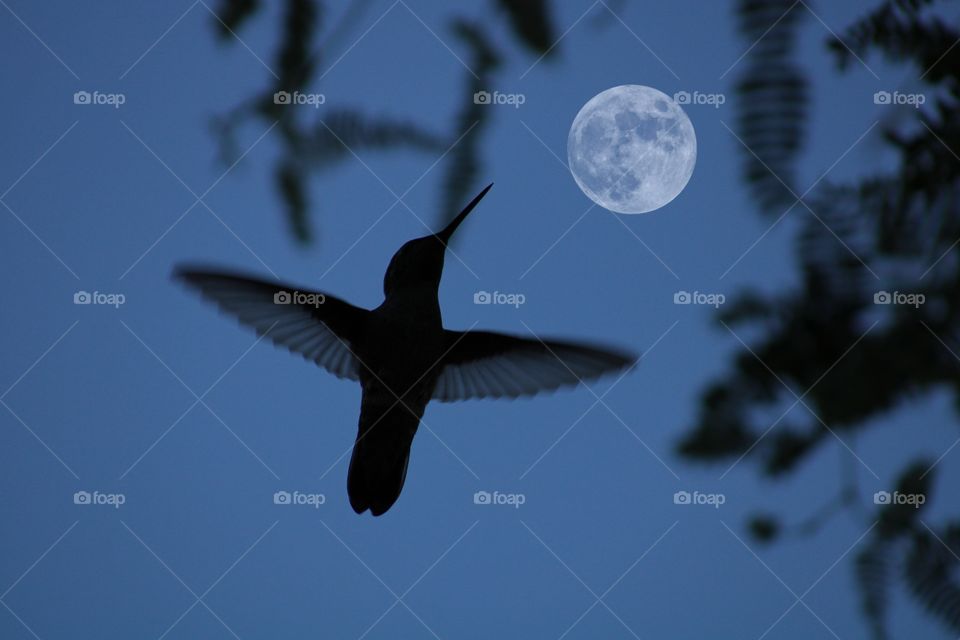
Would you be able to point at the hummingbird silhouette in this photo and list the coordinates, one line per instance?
(401, 354)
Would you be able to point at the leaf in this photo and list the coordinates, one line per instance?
(873, 579)
(290, 182)
(772, 101)
(231, 15)
(720, 432)
(764, 528)
(894, 28)
(294, 58)
(899, 517)
(531, 23)
(932, 574)
(343, 130)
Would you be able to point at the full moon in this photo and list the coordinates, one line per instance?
(631, 149)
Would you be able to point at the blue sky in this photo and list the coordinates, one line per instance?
(179, 410)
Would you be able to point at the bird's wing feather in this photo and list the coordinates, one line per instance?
(321, 332)
(484, 364)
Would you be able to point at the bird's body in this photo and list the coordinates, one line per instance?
(401, 344)
(401, 354)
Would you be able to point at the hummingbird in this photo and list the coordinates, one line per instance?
(400, 353)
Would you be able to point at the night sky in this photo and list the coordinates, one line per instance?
(176, 411)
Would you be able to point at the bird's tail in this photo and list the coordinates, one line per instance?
(378, 466)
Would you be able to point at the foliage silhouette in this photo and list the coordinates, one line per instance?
(311, 146)
(821, 337)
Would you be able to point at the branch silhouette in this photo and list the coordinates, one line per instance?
(314, 143)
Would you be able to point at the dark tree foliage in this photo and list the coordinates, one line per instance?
(232, 15)
(312, 143)
(530, 20)
(773, 98)
(895, 231)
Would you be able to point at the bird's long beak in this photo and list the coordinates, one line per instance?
(447, 232)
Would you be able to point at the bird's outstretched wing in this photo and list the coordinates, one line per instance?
(316, 325)
(483, 364)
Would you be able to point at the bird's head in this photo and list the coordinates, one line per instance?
(419, 262)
